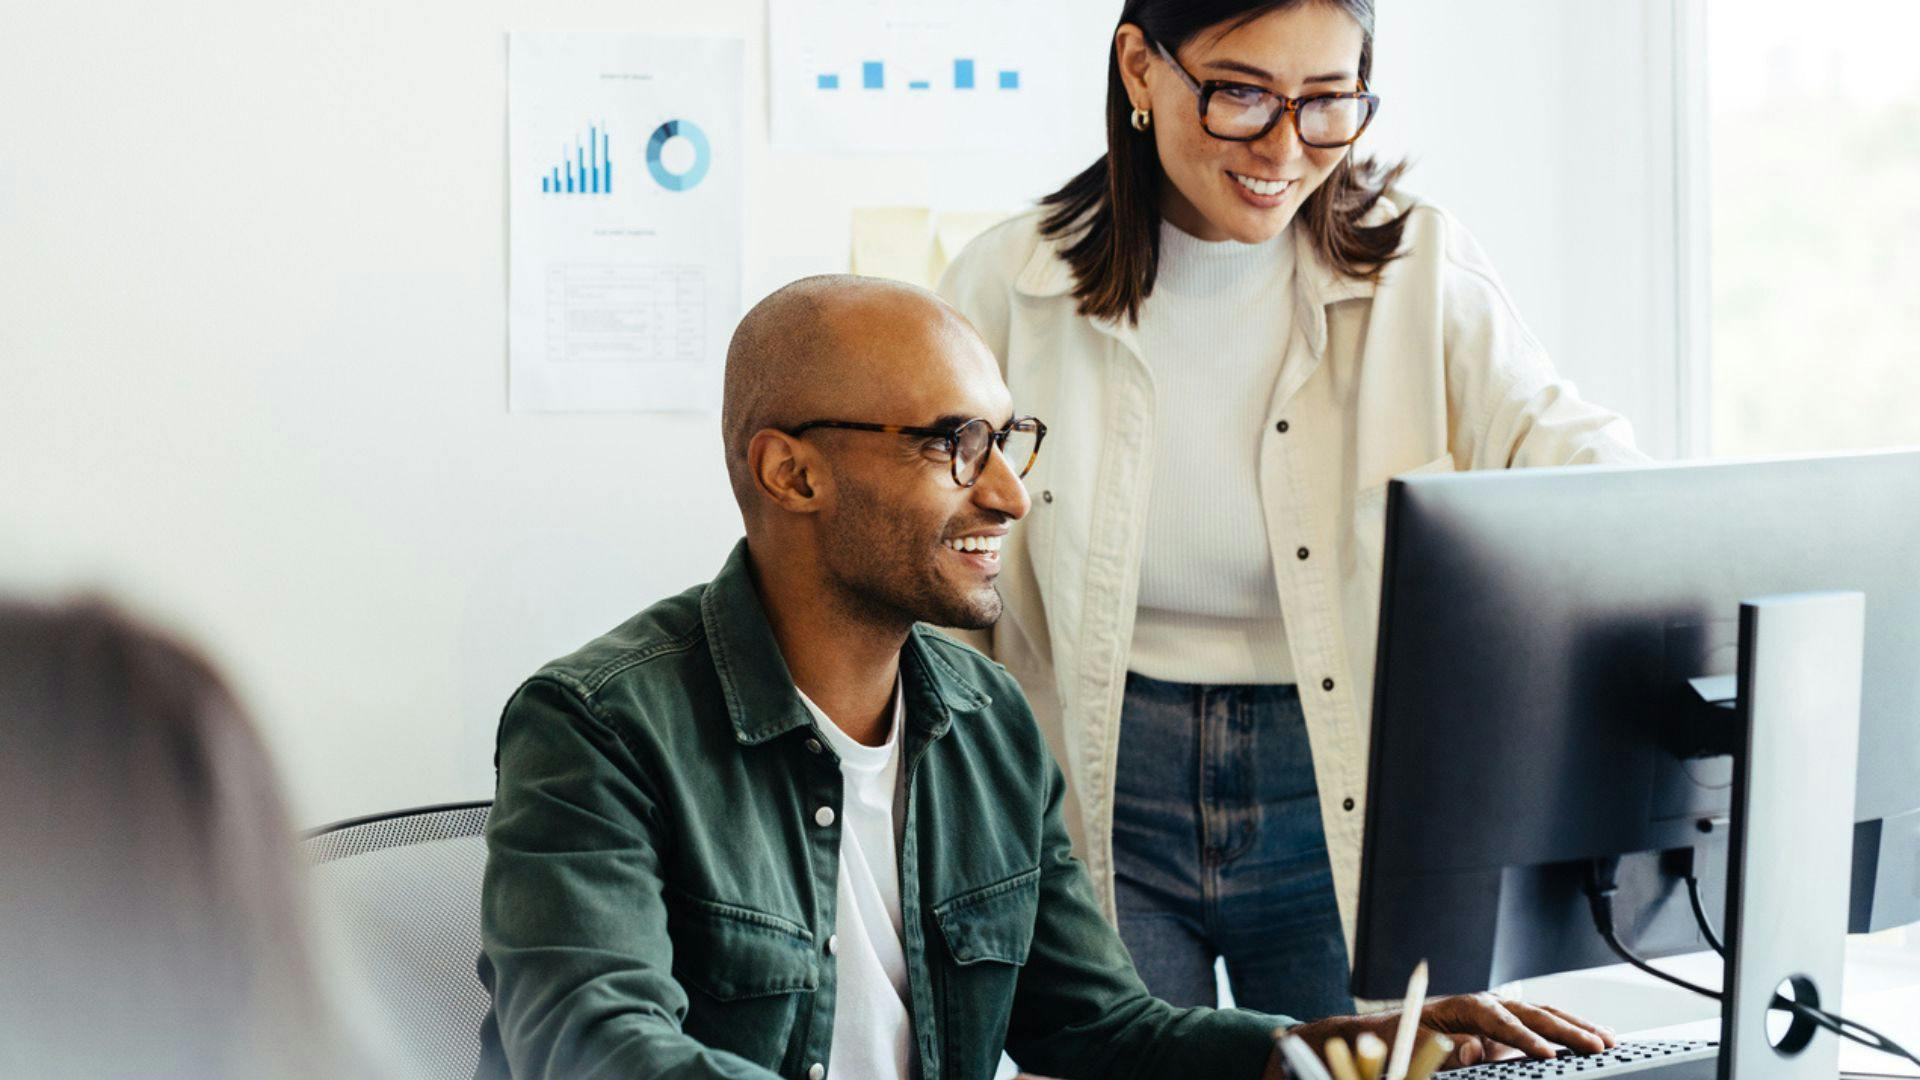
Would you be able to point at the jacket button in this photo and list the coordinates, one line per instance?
(1046, 496)
(833, 940)
(1302, 553)
(816, 1071)
(823, 817)
(813, 746)
(1347, 804)
(1326, 684)
(1281, 427)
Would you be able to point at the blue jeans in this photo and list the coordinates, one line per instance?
(1218, 849)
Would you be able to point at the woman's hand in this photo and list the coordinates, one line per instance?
(1483, 1027)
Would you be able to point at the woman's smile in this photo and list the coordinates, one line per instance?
(1261, 193)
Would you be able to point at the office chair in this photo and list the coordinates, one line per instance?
(400, 895)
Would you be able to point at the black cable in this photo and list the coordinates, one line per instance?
(1620, 950)
(1839, 1025)
(1600, 889)
(1700, 916)
(1601, 886)
(1846, 1029)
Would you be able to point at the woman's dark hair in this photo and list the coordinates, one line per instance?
(153, 918)
(1111, 211)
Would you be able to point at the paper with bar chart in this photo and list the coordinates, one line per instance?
(928, 76)
(625, 205)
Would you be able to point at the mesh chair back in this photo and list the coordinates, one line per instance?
(401, 893)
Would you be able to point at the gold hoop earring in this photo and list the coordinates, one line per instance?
(1142, 119)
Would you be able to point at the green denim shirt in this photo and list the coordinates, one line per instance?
(660, 887)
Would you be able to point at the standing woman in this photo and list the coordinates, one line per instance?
(1243, 334)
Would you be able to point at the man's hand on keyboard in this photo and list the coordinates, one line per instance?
(1483, 1027)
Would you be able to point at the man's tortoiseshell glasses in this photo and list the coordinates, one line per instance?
(965, 448)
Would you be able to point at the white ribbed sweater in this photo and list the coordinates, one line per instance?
(1214, 332)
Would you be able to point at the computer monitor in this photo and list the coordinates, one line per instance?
(1533, 710)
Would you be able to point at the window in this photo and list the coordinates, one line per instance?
(1814, 134)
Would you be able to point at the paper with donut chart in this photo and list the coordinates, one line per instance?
(624, 180)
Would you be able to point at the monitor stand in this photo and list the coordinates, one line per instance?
(1790, 851)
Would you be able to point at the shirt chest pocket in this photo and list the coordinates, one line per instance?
(988, 933)
(747, 975)
(1370, 520)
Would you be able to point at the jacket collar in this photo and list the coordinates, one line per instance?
(762, 703)
(1316, 284)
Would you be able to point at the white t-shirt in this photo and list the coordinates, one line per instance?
(872, 1030)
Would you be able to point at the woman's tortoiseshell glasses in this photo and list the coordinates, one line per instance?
(1243, 112)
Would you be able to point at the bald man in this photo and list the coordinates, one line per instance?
(777, 827)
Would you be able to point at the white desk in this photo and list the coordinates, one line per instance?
(1882, 992)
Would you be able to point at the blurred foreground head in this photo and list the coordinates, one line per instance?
(152, 917)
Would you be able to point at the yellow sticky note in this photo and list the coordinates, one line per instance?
(954, 231)
(895, 242)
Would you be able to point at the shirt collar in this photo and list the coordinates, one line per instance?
(1318, 286)
(763, 703)
(844, 744)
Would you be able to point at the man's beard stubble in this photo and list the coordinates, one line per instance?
(884, 569)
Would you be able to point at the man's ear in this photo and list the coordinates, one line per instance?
(786, 471)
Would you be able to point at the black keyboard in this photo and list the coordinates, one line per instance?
(1643, 1060)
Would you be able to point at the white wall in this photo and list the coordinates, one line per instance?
(252, 370)
(1548, 128)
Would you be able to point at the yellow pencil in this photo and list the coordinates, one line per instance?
(1339, 1059)
(1370, 1052)
(1429, 1057)
(1409, 1030)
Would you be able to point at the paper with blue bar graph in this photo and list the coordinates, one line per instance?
(930, 76)
(625, 209)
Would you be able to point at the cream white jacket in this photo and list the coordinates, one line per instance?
(1429, 371)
